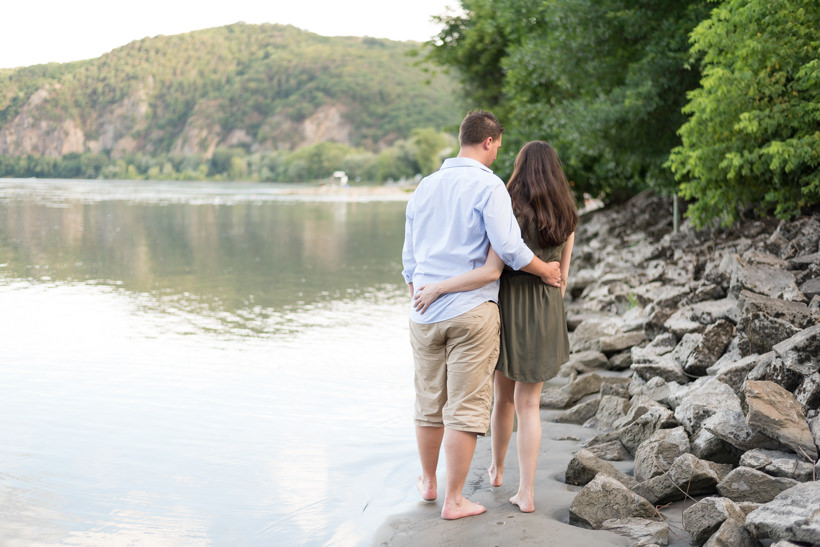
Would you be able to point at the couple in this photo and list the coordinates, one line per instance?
(462, 227)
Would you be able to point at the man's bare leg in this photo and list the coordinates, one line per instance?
(528, 409)
(459, 447)
(428, 440)
(502, 423)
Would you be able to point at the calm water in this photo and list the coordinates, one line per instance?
(200, 364)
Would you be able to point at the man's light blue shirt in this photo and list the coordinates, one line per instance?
(452, 218)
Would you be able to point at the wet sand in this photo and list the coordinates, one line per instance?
(503, 524)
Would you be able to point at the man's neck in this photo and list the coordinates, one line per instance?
(474, 153)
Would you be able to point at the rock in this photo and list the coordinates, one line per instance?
(808, 392)
(776, 413)
(801, 352)
(587, 335)
(712, 345)
(555, 397)
(811, 288)
(657, 389)
(604, 498)
(778, 464)
(730, 426)
(579, 413)
(663, 367)
(688, 476)
(582, 386)
(792, 515)
(655, 456)
(686, 346)
(613, 451)
(763, 331)
(589, 359)
(703, 519)
(621, 360)
(732, 533)
(795, 313)
(707, 446)
(734, 374)
(701, 399)
(620, 341)
(681, 322)
(747, 484)
(585, 466)
(712, 311)
(610, 410)
(644, 418)
(642, 532)
(763, 279)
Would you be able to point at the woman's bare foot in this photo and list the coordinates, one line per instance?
(427, 489)
(496, 476)
(525, 504)
(463, 508)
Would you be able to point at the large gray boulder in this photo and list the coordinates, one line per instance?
(655, 455)
(792, 515)
(778, 464)
(688, 476)
(605, 498)
(585, 466)
(777, 414)
(703, 519)
(642, 532)
(747, 484)
(701, 399)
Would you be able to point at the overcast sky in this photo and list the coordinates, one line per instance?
(44, 31)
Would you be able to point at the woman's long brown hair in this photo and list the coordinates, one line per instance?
(540, 194)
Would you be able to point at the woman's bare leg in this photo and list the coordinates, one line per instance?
(502, 423)
(528, 409)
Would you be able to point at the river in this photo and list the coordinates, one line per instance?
(201, 364)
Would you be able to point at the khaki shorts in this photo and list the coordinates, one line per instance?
(454, 362)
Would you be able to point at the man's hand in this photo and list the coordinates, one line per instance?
(551, 273)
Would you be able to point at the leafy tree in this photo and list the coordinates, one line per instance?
(602, 80)
(753, 138)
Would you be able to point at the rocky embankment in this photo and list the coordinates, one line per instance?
(697, 355)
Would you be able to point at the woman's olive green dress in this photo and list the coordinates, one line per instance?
(534, 340)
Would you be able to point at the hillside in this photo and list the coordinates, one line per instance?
(259, 88)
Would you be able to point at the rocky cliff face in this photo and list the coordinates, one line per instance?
(125, 127)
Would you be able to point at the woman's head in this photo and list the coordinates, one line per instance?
(541, 193)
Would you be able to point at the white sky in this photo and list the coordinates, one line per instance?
(44, 31)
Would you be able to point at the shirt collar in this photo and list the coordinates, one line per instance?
(464, 162)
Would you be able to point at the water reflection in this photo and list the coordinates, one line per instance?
(183, 372)
(245, 264)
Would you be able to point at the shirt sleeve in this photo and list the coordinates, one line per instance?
(408, 257)
(503, 230)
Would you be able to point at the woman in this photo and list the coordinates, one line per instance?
(534, 340)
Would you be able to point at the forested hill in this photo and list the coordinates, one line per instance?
(259, 88)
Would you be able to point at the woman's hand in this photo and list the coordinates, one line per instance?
(426, 295)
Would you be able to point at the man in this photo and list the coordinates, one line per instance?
(453, 217)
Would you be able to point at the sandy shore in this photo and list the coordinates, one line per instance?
(503, 524)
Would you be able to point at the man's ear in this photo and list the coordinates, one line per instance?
(487, 143)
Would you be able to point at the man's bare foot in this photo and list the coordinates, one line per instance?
(427, 489)
(496, 476)
(525, 504)
(464, 508)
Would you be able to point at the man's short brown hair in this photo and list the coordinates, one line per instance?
(477, 126)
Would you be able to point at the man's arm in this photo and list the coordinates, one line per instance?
(549, 272)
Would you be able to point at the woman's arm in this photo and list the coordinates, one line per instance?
(489, 272)
(566, 255)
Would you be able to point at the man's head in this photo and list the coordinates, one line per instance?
(480, 136)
